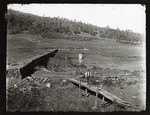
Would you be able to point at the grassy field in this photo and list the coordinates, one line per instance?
(126, 61)
(104, 53)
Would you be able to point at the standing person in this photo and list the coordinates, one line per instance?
(88, 75)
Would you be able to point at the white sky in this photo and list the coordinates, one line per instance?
(122, 16)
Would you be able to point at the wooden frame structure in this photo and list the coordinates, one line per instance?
(106, 96)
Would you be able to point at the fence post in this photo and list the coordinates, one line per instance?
(103, 98)
(86, 91)
(87, 86)
(80, 58)
(96, 98)
(89, 83)
(79, 87)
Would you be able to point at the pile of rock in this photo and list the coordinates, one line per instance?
(13, 73)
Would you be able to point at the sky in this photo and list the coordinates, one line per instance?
(122, 16)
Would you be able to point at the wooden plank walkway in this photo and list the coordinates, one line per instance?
(103, 93)
(74, 79)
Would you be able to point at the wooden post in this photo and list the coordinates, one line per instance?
(89, 82)
(79, 87)
(86, 91)
(80, 58)
(87, 86)
(103, 98)
(96, 98)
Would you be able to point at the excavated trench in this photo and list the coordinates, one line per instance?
(56, 61)
(30, 68)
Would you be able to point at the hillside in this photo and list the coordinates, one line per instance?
(62, 28)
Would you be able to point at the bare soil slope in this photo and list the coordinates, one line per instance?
(119, 67)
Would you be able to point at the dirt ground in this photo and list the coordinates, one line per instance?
(119, 70)
(63, 96)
